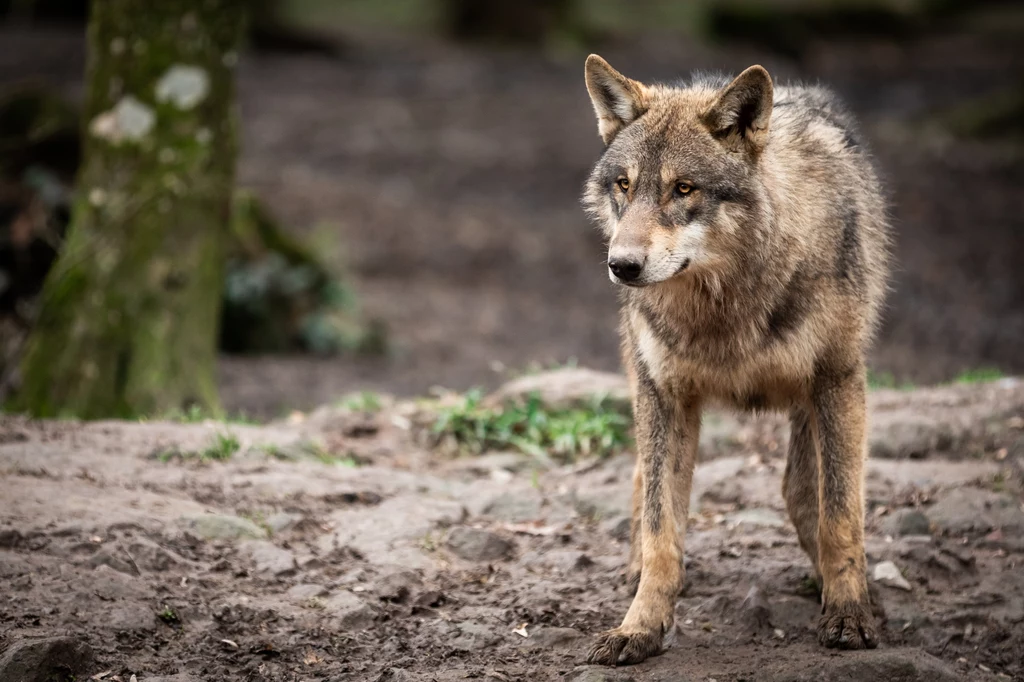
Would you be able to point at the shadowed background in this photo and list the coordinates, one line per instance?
(438, 151)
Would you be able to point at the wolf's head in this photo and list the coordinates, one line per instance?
(678, 186)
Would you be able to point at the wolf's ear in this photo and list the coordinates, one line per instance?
(617, 100)
(740, 115)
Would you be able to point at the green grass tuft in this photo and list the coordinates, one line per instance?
(364, 401)
(224, 447)
(535, 429)
(977, 376)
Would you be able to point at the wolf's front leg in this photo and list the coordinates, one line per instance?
(840, 415)
(667, 431)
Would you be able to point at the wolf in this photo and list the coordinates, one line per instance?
(748, 232)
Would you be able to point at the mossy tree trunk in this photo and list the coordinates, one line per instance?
(128, 316)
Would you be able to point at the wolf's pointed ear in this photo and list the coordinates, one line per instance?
(617, 100)
(742, 112)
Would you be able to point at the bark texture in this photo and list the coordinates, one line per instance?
(128, 316)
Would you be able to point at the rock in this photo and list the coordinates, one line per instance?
(152, 557)
(725, 492)
(598, 674)
(561, 560)
(45, 659)
(901, 665)
(303, 592)
(107, 583)
(473, 636)
(349, 611)
(10, 538)
(550, 638)
(131, 617)
(754, 610)
(887, 573)
(112, 558)
(566, 388)
(271, 559)
(963, 510)
(904, 522)
(515, 507)
(222, 527)
(618, 528)
(906, 436)
(476, 544)
(396, 587)
(282, 521)
(757, 517)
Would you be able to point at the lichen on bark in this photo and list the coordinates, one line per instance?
(127, 320)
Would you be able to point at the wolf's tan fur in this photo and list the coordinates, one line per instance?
(755, 229)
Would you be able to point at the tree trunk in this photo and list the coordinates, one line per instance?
(128, 316)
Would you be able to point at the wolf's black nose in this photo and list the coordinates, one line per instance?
(625, 269)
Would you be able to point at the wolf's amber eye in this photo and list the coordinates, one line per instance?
(623, 184)
(684, 188)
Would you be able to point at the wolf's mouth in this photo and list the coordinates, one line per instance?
(685, 264)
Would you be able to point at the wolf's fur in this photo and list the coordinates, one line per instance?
(760, 283)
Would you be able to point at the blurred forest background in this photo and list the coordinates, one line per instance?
(406, 211)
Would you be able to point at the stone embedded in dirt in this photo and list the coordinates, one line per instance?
(222, 527)
(10, 538)
(754, 610)
(618, 528)
(551, 638)
(725, 492)
(476, 544)
(907, 436)
(115, 558)
(45, 659)
(150, 556)
(561, 560)
(515, 507)
(472, 636)
(965, 509)
(396, 587)
(599, 674)
(904, 522)
(757, 517)
(131, 617)
(887, 573)
(901, 665)
(270, 559)
(349, 611)
(282, 521)
(303, 592)
(565, 388)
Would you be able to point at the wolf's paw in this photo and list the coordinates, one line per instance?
(848, 626)
(625, 646)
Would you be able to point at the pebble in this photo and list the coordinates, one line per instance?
(887, 573)
(476, 544)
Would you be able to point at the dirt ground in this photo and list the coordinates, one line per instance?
(450, 179)
(402, 564)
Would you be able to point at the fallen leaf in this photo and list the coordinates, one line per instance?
(521, 631)
(100, 676)
(229, 644)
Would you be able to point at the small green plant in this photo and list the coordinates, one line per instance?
(977, 376)
(881, 380)
(168, 615)
(364, 401)
(531, 427)
(224, 446)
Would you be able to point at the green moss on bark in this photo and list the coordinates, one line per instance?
(128, 316)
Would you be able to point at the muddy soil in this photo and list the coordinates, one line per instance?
(119, 557)
(450, 179)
